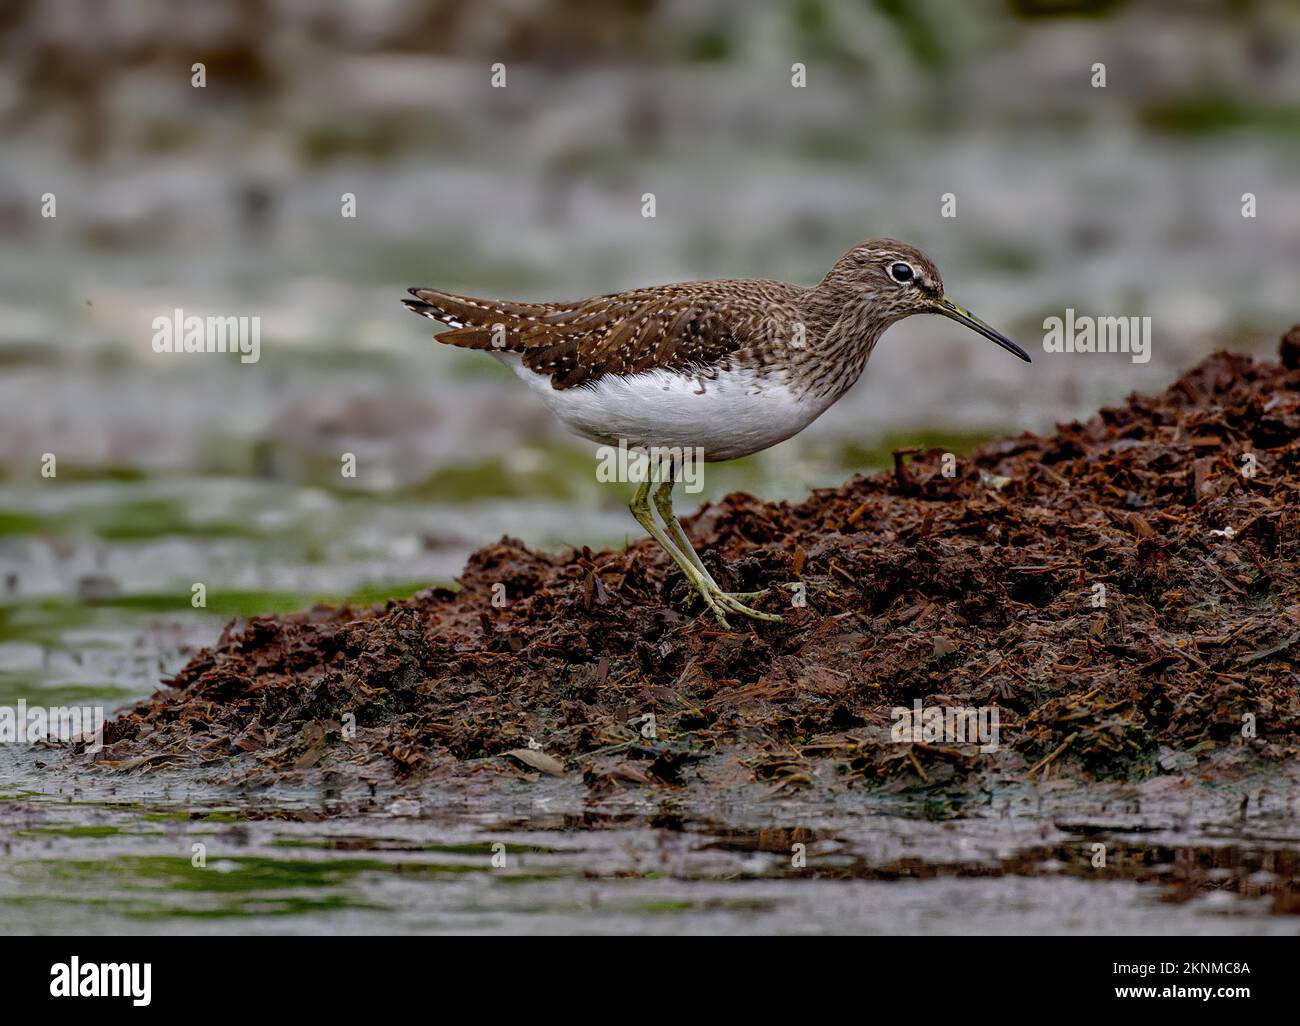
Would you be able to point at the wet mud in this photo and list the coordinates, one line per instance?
(1124, 593)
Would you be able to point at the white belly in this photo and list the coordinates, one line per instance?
(728, 416)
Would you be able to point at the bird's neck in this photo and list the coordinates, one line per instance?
(842, 331)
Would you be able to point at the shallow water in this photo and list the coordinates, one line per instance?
(159, 852)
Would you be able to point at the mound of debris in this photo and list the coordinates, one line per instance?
(1113, 601)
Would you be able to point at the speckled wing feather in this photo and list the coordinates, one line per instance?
(676, 327)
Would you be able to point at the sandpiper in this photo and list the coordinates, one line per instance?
(722, 368)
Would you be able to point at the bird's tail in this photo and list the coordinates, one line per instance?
(476, 323)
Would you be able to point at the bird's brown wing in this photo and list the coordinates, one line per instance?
(697, 324)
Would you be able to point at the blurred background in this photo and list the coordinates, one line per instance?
(227, 200)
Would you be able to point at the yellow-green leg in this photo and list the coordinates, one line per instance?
(640, 507)
(714, 595)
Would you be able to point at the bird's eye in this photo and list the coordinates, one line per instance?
(901, 272)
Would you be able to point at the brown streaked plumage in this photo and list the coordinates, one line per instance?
(726, 368)
(669, 327)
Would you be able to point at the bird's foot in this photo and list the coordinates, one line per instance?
(734, 603)
(721, 603)
(750, 596)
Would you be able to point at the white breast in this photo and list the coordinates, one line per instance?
(730, 415)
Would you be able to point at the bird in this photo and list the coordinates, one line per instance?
(709, 370)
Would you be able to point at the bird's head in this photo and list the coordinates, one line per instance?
(895, 280)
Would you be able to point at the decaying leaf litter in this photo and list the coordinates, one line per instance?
(1125, 592)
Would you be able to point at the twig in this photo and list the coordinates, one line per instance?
(1064, 745)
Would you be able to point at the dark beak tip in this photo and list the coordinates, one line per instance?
(1007, 344)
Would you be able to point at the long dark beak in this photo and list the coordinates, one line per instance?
(948, 308)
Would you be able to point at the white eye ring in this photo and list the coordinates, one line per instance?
(901, 272)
